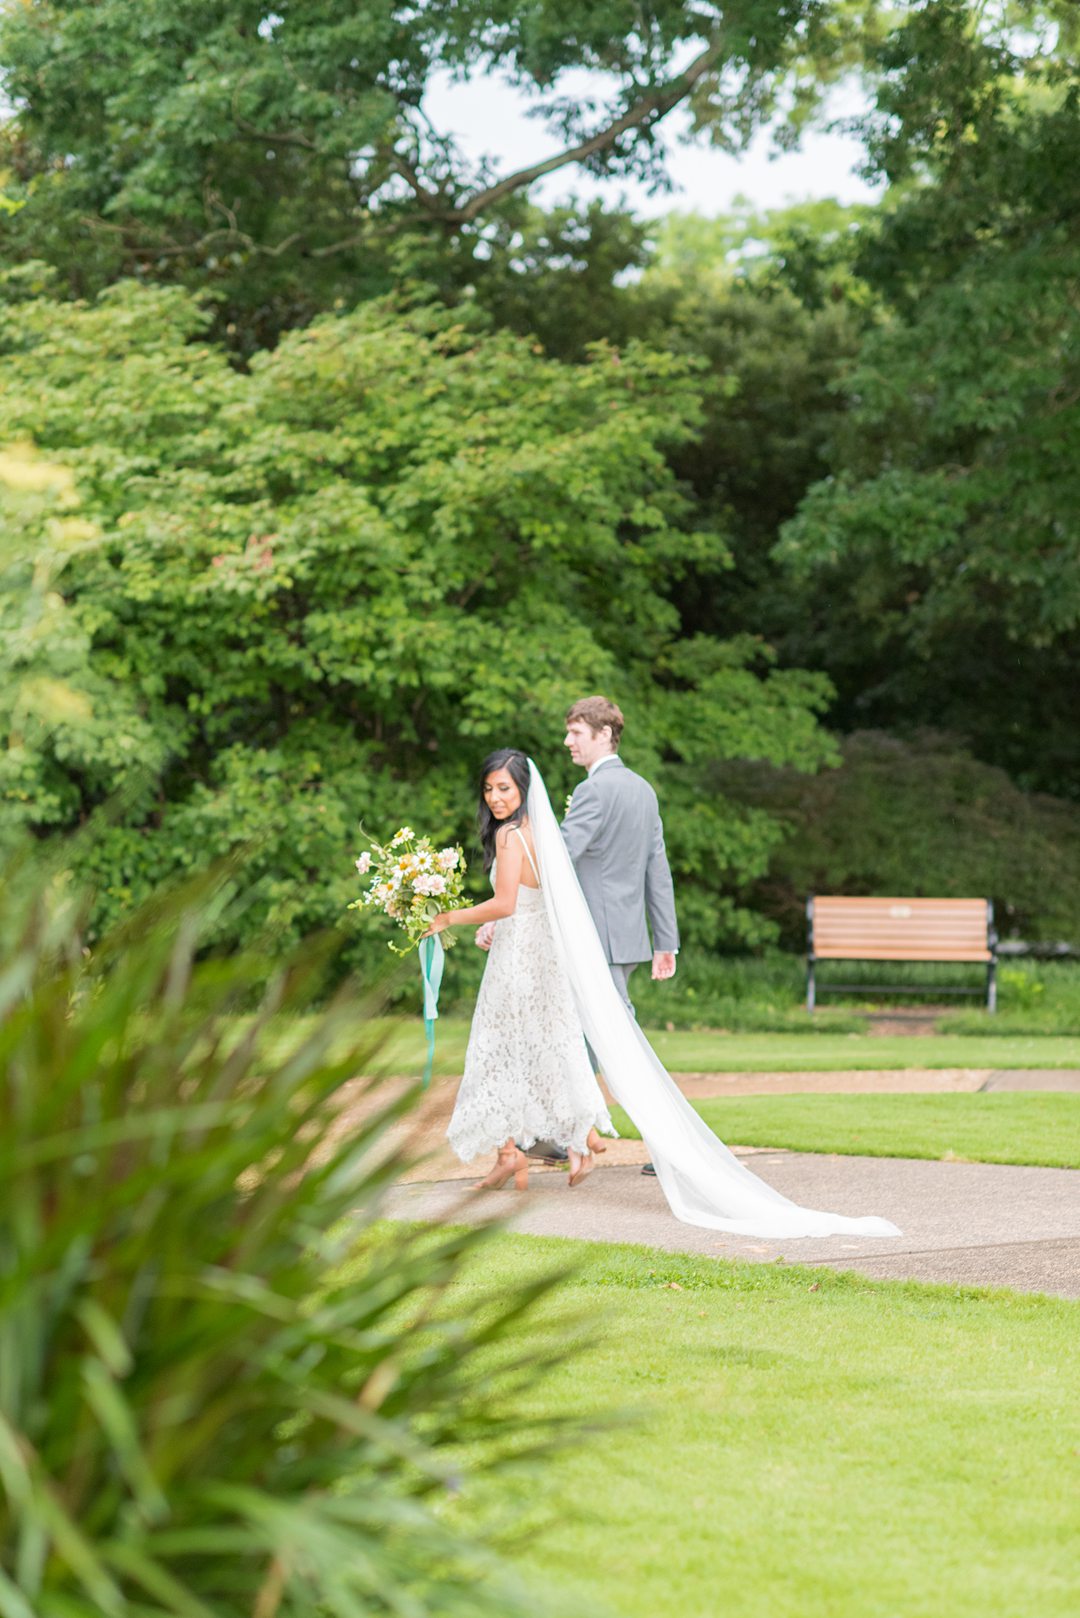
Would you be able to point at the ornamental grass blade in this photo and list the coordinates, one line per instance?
(211, 1350)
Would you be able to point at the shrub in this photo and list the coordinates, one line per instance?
(916, 816)
(202, 1411)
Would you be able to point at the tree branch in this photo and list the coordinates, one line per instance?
(275, 137)
(430, 199)
(650, 107)
(227, 235)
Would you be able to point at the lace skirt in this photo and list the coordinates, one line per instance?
(528, 1076)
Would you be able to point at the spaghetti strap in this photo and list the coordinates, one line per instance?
(528, 856)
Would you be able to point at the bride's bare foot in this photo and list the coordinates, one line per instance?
(510, 1161)
(581, 1165)
(594, 1143)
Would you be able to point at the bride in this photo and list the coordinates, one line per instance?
(546, 989)
(527, 1072)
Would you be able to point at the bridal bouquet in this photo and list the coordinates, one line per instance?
(411, 882)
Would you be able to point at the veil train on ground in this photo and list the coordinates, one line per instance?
(702, 1181)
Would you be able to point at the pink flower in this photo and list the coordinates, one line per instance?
(363, 864)
(430, 885)
(447, 859)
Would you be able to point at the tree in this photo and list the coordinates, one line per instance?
(941, 559)
(283, 157)
(770, 303)
(322, 589)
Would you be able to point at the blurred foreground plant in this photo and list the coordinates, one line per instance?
(198, 1414)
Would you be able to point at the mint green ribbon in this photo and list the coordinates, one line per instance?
(432, 956)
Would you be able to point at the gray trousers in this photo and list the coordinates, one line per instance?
(620, 976)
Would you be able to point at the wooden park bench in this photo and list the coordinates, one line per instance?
(843, 929)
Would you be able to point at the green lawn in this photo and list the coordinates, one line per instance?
(999, 1127)
(805, 1444)
(708, 1051)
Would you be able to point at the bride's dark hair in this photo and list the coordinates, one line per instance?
(516, 764)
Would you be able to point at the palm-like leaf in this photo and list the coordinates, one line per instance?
(204, 1410)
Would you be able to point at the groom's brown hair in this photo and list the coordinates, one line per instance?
(598, 712)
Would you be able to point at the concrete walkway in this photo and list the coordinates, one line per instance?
(972, 1224)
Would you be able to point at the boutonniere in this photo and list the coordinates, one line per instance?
(566, 806)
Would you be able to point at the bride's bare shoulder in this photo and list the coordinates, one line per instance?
(507, 831)
(507, 842)
(508, 837)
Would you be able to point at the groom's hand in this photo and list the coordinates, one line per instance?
(484, 935)
(663, 965)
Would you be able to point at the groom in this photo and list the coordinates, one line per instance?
(615, 838)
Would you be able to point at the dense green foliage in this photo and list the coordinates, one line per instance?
(940, 561)
(255, 604)
(282, 156)
(917, 817)
(203, 1412)
(774, 333)
(322, 590)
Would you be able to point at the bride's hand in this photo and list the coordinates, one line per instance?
(439, 924)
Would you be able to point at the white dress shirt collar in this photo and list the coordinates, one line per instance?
(608, 758)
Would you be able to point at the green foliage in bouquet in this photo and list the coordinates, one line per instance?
(222, 1392)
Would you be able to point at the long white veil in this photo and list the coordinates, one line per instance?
(704, 1184)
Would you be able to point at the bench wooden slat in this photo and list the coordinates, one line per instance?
(899, 953)
(923, 946)
(897, 929)
(910, 900)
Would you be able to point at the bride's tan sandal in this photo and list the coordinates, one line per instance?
(595, 1144)
(510, 1161)
(584, 1167)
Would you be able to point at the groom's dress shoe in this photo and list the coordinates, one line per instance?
(647, 1168)
(546, 1151)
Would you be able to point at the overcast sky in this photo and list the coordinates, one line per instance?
(489, 118)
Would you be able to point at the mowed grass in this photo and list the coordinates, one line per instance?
(804, 1444)
(999, 1127)
(711, 1051)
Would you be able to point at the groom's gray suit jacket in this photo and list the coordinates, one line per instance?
(616, 841)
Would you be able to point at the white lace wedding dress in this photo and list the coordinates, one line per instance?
(527, 1073)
